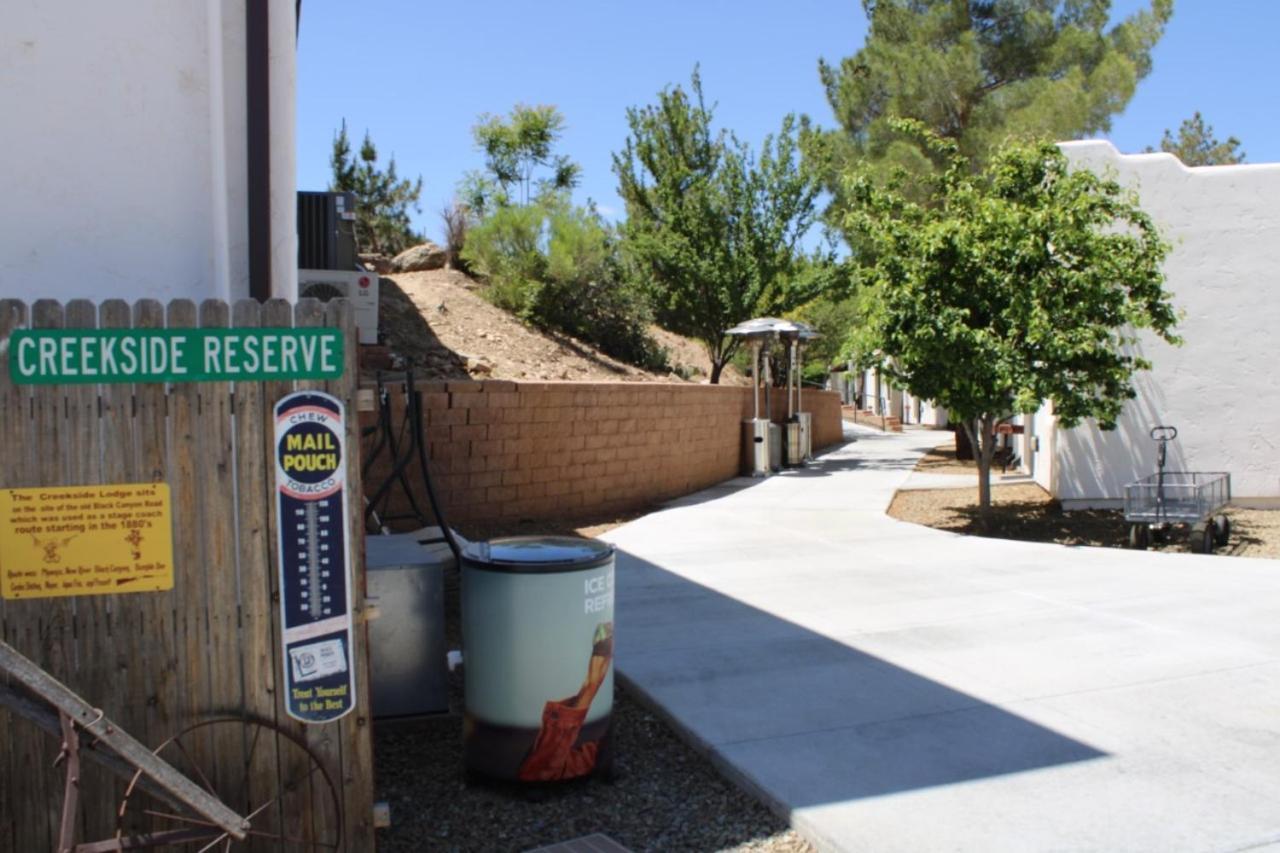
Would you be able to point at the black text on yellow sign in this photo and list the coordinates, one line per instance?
(62, 541)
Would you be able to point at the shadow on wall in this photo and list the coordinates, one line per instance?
(412, 337)
(1093, 464)
(869, 729)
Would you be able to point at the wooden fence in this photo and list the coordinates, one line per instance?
(158, 662)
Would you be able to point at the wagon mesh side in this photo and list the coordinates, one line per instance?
(1187, 497)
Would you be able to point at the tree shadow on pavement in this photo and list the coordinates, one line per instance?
(802, 719)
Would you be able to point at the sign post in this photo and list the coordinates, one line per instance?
(314, 557)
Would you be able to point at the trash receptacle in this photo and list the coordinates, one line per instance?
(537, 634)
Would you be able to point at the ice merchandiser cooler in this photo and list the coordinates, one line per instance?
(537, 635)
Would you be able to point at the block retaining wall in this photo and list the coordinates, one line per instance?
(534, 450)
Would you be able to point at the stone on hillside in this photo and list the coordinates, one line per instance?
(376, 262)
(427, 256)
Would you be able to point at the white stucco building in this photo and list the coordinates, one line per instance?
(1220, 388)
(878, 395)
(138, 138)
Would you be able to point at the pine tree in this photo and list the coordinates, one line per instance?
(978, 71)
(1197, 146)
(383, 199)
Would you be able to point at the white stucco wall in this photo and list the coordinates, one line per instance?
(1219, 389)
(125, 150)
(1039, 447)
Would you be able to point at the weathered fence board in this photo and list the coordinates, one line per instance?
(355, 742)
(159, 662)
(13, 399)
(53, 630)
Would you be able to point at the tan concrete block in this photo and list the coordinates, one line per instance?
(515, 476)
(500, 494)
(486, 447)
(484, 416)
(532, 491)
(517, 445)
(503, 400)
(470, 432)
(533, 459)
(504, 430)
(500, 462)
(485, 479)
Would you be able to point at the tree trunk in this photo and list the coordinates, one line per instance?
(716, 368)
(982, 436)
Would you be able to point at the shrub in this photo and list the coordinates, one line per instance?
(558, 267)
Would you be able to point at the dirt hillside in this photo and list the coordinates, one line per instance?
(438, 323)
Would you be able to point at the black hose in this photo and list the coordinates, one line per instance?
(417, 427)
(387, 440)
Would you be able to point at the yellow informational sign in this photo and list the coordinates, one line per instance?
(85, 540)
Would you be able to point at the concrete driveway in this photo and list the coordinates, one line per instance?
(890, 687)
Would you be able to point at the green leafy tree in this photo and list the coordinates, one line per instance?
(1197, 146)
(713, 230)
(515, 149)
(978, 71)
(383, 198)
(1020, 284)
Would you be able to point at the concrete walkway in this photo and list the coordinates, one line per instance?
(894, 688)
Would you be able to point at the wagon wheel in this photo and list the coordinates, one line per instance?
(256, 768)
(1202, 537)
(1139, 536)
(1223, 526)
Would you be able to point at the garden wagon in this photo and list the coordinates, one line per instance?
(1157, 503)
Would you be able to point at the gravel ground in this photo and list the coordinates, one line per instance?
(665, 797)
(1027, 512)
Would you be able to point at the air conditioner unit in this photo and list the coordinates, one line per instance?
(327, 231)
(358, 286)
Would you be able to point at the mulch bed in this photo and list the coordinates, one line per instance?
(1027, 512)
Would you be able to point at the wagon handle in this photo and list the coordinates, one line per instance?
(1164, 433)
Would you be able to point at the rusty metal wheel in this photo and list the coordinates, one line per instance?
(261, 771)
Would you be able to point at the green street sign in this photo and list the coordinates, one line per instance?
(70, 356)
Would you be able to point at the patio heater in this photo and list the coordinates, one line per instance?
(797, 427)
(803, 420)
(756, 457)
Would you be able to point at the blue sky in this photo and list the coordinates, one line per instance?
(417, 75)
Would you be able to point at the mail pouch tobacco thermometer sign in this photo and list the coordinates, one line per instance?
(314, 547)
